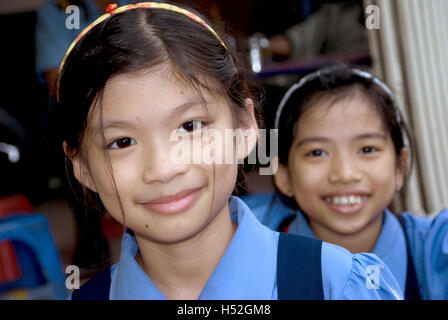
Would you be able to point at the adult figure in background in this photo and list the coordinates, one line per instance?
(53, 37)
(337, 26)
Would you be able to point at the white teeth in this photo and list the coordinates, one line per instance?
(344, 200)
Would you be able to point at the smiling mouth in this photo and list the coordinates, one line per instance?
(176, 203)
(346, 204)
(345, 200)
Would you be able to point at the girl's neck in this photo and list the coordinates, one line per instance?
(361, 241)
(181, 270)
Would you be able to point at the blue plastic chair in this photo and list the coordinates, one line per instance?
(40, 263)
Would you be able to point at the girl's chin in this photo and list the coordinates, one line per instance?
(350, 225)
(339, 225)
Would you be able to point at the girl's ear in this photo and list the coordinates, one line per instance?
(282, 180)
(80, 168)
(402, 166)
(249, 126)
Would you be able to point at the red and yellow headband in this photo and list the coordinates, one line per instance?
(114, 9)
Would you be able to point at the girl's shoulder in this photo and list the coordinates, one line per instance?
(424, 220)
(360, 276)
(257, 200)
(428, 238)
(269, 209)
(424, 228)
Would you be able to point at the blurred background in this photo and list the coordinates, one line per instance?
(404, 42)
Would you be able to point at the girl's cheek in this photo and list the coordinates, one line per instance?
(383, 166)
(308, 175)
(130, 169)
(106, 175)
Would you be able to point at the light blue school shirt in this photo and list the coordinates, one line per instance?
(390, 245)
(247, 270)
(428, 240)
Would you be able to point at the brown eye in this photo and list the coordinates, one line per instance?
(316, 153)
(191, 126)
(368, 149)
(122, 143)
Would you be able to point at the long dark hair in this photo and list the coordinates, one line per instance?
(130, 42)
(334, 83)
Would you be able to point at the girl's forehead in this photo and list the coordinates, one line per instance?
(146, 87)
(348, 114)
(158, 81)
(146, 77)
(155, 95)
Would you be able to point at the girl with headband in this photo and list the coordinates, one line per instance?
(342, 157)
(138, 75)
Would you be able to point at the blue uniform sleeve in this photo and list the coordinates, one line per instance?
(429, 246)
(361, 276)
(435, 259)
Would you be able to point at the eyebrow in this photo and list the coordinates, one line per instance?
(117, 124)
(187, 105)
(368, 135)
(312, 139)
(182, 108)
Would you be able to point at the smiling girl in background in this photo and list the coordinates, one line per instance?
(342, 158)
(138, 74)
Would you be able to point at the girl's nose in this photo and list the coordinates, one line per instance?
(344, 170)
(160, 166)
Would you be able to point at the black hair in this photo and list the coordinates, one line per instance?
(335, 83)
(127, 43)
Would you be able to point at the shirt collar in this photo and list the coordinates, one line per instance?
(390, 245)
(129, 281)
(247, 270)
(301, 226)
(276, 213)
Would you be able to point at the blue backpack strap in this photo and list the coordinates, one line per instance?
(299, 268)
(412, 291)
(96, 288)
